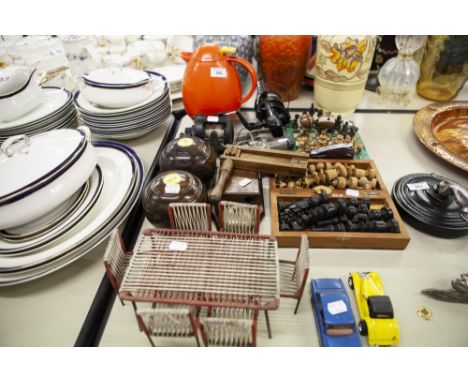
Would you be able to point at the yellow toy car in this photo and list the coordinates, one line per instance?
(376, 310)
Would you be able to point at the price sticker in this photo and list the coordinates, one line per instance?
(178, 245)
(418, 186)
(337, 307)
(172, 188)
(353, 193)
(218, 72)
(212, 118)
(244, 182)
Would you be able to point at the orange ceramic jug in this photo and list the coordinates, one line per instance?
(211, 83)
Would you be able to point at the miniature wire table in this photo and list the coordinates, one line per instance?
(204, 269)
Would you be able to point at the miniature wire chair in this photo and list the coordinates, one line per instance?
(229, 327)
(239, 217)
(159, 320)
(293, 277)
(116, 260)
(190, 216)
(164, 320)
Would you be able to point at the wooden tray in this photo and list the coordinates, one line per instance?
(366, 240)
(380, 192)
(266, 161)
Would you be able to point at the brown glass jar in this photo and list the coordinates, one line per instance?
(444, 67)
(171, 187)
(190, 154)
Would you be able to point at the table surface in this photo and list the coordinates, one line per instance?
(212, 269)
(51, 311)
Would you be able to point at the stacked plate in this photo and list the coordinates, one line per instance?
(174, 75)
(100, 103)
(98, 205)
(55, 111)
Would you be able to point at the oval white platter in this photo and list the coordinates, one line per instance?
(122, 173)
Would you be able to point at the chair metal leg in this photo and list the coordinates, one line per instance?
(267, 319)
(150, 340)
(297, 305)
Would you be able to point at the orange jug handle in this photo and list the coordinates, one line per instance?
(252, 74)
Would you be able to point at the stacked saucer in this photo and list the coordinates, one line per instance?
(55, 111)
(122, 103)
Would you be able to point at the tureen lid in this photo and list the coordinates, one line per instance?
(27, 163)
(116, 77)
(13, 78)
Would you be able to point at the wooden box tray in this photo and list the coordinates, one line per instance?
(365, 240)
(379, 192)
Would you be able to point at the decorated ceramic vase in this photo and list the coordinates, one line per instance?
(283, 61)
(242, 43)
(342, 68)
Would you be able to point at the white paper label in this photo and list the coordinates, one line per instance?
(337, 307)
(172, 188)
(219, 72)
(418, 186)
(212, 118)
(178, 245)
(244, 182)
(351, 192)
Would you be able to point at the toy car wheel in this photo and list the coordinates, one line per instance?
(362, 327)
(351, 282)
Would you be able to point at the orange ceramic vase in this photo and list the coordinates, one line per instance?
(283, 61)
(211, 84)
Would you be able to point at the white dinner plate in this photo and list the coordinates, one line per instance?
(119, 173)
(78, 251)
(108, 122)
(155, 118)
(51, 124)
(173, 73)
(132, 134)
(12, 248)
(53, 100)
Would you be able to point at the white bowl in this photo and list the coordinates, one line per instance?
(40, 173)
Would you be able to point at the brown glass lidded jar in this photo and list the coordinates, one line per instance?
(190, 154)
(171, 187)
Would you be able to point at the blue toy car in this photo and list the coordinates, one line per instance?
(333, 314)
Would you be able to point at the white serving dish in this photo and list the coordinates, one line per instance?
(23, 247)
(116, 78)
(117, 98)
(85, 106)
(40, 173)
(123, 180)
(13, 78)
(117, 87)
(19, 93)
